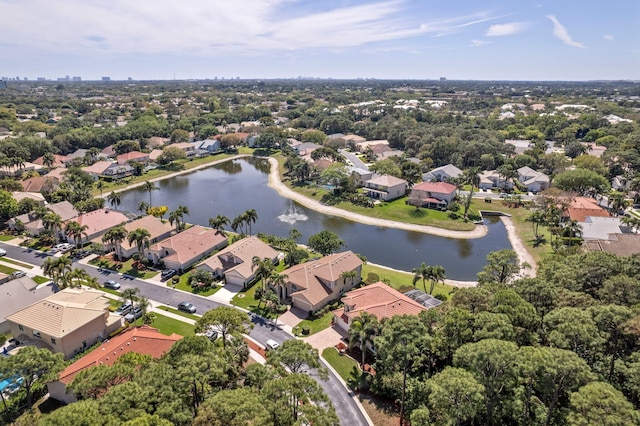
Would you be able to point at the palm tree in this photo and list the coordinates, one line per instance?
(58, 270)
(218, 223)
(278, 281)
(250, 216)
(48, 160)
(100, 186)
(76, 231)
(52, 222)
(144, 304)
(362, 331)
(143, 207)
(472, 176)
(435, 273)
(115, 236)
(77, 277)
(140, 237)
(349, 275)
(236, 224)
(575, 230)
(618, 203)
(421, 272)
(536, 218)
(114, 199)
(632, 222)
(149, 187)
(177, 216)
(295, 235)
(264, 268)
(131, 294)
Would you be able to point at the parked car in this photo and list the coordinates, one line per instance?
(503, 194)
(187, 307)
(66, 247)
(124, 309)
(211, 335)
(167, 273)
(18, 274)
(272, 344)
(113, 285)
(3, 252)
(135, 313)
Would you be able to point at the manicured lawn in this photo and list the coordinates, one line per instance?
(15, 262)
(126, 268)
(7, 237)
(401, 280)
(315, 325)
(40, 280)
(183, 284)
(177, 312)
(112, 291)
(36, 244)
(6, 269)
(114, 304)
(346, 367)
(245, 300)
(168, 325)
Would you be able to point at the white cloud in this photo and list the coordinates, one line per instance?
(561, 33)
(511, 28)
(478, 43)
(608, 37)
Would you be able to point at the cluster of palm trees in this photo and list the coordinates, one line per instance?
(271, 279)
(132, 295)
(177, 216)
(118, 234)
(431, 273)
(551, 217)
(362, 331)
(60, 272)
(242, 223)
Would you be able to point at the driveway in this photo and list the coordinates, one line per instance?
(326, 338)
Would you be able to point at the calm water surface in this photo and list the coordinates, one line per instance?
(233, 187)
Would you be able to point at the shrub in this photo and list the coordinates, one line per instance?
(453, 215)
(441, 296)
(372, 277)
(487, 199)
(305, 330)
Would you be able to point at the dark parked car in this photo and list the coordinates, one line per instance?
(135, 313)
(124, 309)
(187, 307)
(167, 273)
(112, 285)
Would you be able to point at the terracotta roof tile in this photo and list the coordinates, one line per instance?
(142, 340)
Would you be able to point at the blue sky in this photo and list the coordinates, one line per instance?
(414, 39)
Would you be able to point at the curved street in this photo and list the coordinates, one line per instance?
(347, 409)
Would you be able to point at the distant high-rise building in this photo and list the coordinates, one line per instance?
(3, 84)
(130, 79)
(41, 79)
(106, 78)
(76, 78)
(443, 78)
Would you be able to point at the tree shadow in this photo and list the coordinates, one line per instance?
(420, 213)
(540, 241)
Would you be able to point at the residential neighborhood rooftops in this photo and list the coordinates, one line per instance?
(618, 244)
(100, 220)
(440, 187)
(242, 253)
(98, 167)
(63, 312)
(583, 207)
(20, 293)
(190, 243)
(142, 340)
(386, 180)
(155, 226)
(58, 160)
(380, 300)
(312, 275)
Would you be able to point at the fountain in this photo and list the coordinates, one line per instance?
(292, 215)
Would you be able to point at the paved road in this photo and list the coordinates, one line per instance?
(347, 410)
(354, 159)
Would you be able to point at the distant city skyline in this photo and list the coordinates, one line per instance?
(341, 39)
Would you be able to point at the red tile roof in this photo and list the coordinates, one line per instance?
(379, 300)
(143, 340)
(582, 207)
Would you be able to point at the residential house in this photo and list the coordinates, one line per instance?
(360, 176)
(353, 138)
(306, 148)
(618, 244)
(108, 152)
(157, 142)
(533, 180)
(76, 158)
(33, 226)
(142, 340)
(153, 155)
(235, 263)
(158, 229)
(519, 146)
(67, 322)
(187, 147)
(384, 153)
(186, 248)
(313, 284)
(18, 294)
(98, 169)
(98, 222)
(379, 300)
(40, 184)
(210, 145)
(601, 228)
(432, 194)
(58, 161)
(582, 207)
(128, 157)
(118, 171)
(385, 188)
(593, 149)
(362, 146)
(18, 170)
(442, 174)
(36, 196)
(621, 183)
(490, 179)
(58, 174)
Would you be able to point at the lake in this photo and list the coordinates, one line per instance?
(233, 187)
